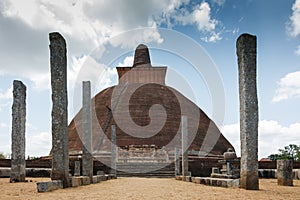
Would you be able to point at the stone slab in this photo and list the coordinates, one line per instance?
(80, 180)
(193, 180)
(113, 176)
(95, 180)
(187, 178)
(197, 180)
(76, 181)
(5, 172)
(49, 186)
(218, 182)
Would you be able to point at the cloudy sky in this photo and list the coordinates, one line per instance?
(94, 29)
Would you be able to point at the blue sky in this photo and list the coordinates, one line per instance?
(92, 27)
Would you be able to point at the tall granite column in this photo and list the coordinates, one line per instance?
(246, 52)
(87, 157)
(113, 150)
(18, 133)
(60, 153)
(184, 131)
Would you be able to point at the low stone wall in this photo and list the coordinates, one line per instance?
(218, 182)
(273, 165)
(30, 172)
(272, 173)
(75, 181)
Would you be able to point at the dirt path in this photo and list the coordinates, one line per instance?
(146, 188)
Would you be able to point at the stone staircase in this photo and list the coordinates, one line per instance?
(140, 169)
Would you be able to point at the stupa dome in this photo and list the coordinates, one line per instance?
(140, 101)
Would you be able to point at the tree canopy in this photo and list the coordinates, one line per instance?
(290, 152)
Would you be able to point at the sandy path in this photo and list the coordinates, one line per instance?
(146, 188)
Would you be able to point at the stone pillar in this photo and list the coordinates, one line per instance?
(184, 131)
(113, 150)
(18, 164)
(177, 161)
(246, 52)
(285, 172)
(77, 168)
(87, 157)
(60, 153)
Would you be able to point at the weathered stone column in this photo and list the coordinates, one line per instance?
(285, 172)
(60, 138)
(87, 157)
(246, 52)
(113, 150)
(177, 161)
(18, 164)
(184, 131)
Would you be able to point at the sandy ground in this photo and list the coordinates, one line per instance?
(147, 188)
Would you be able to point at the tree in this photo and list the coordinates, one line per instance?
(274, 156)
(290, 152)
(2, 156)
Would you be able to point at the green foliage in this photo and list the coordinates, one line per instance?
(2, 156)
(32, 158)
(290, 152)
(274, 157)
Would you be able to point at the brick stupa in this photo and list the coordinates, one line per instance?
(145, 86)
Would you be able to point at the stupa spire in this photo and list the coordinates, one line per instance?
(141, 56)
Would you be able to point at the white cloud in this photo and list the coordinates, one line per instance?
(214, 37)
(136, 37)
(86, 68)
(128, 61)
(232, 134)
(294, 28)
(6, 95)
(289, 87)
(5, 98)
(3, 125)
(5, 106)
(219, 2)
(41, 81)
(297, 52)
(38, 144)
(92, 20)
(200, 16)
(271, 136)
(86, 25)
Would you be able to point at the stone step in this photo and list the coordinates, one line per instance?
(162, 170)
